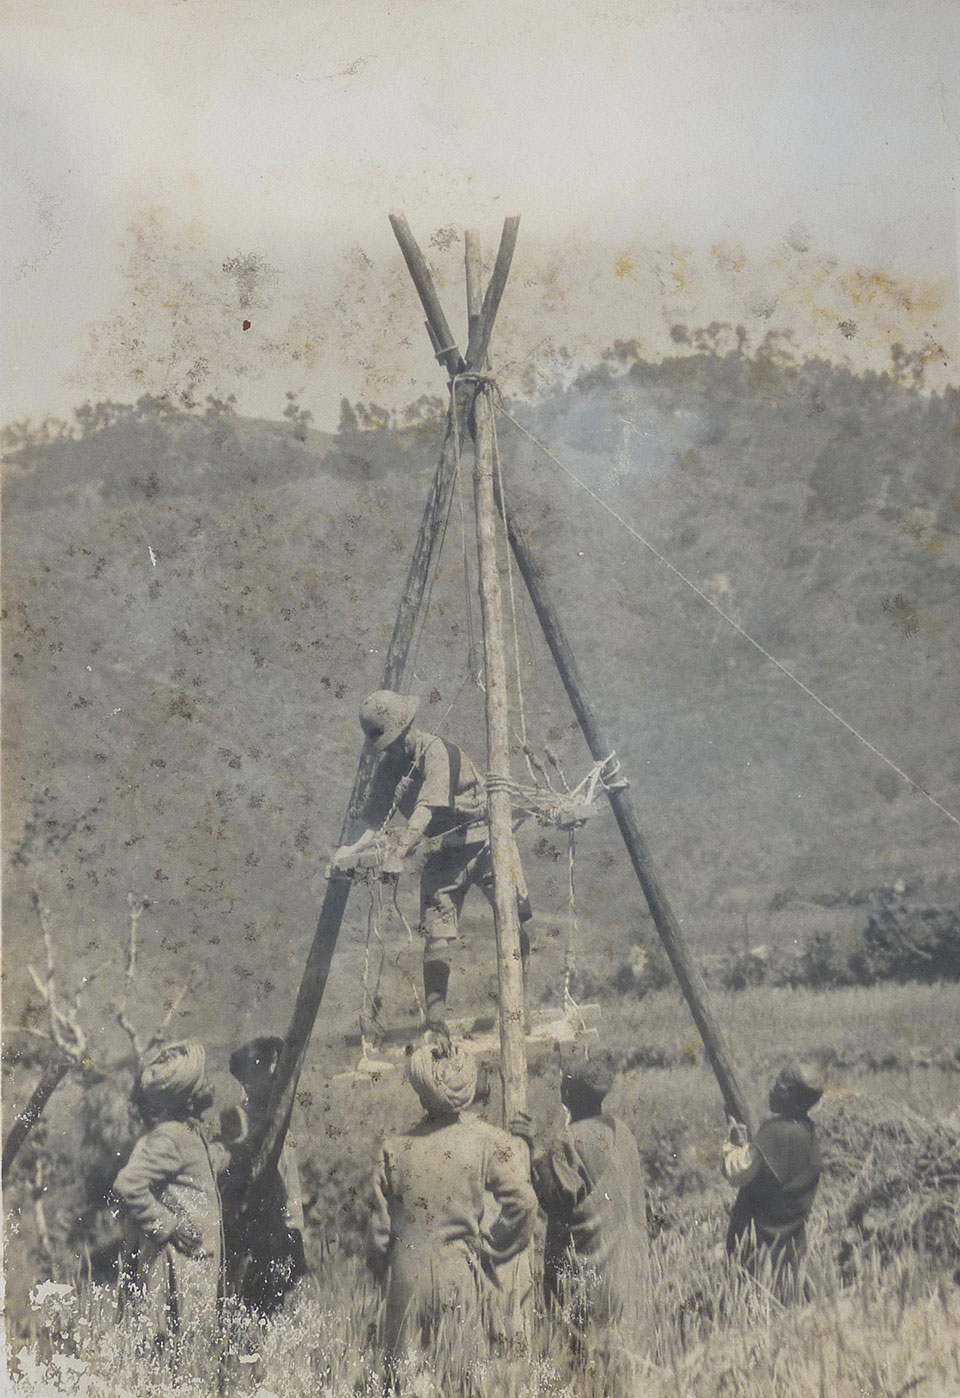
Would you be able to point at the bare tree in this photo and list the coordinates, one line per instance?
(64, 1030)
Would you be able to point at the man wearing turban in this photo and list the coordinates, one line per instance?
(435, 786)
(430, 1241)
(777, 1174)
(168, 1191)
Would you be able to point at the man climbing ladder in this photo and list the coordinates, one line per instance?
(437, 788)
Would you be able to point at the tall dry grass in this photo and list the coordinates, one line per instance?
(896, 1331)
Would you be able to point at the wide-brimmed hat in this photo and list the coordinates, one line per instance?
(172, 1075)
(260, 1055)
(384, 715)
(444, 1078)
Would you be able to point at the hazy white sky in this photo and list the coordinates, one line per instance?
(177, 167)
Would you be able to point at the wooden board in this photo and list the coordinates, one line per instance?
(546, 1026)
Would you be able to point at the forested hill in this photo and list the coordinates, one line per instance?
(196, 603)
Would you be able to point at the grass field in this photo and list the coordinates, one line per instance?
(891, 1326)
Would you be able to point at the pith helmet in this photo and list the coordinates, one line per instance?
(385, 715)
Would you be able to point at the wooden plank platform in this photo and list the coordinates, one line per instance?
(481, 1031)
(482, 1034)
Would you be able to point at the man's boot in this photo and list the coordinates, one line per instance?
(525, 968)
(436, 978)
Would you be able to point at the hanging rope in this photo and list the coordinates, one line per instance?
(570, 1007)
(370, 1009)
(688, 582)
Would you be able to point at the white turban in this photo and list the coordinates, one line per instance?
(173, 1073)
(444, 1079)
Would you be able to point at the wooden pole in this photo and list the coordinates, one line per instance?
(317, 969)
(471, 239)
(481, 325)
(691, 982)
(27, 1119)
(499, 803)
(443, 343)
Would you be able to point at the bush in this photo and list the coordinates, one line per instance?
(645, 970)
(824, 962)
(904, 944)
(901, 942)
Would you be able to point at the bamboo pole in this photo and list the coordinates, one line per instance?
(317, 969)
(691, 981)
(499, 804)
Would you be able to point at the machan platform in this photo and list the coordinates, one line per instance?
(387, 1051)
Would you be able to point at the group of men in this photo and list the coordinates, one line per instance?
(454, 1203)
(454, 1200)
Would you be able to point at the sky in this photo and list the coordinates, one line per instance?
(180, 169)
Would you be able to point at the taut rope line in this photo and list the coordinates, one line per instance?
(661, 558)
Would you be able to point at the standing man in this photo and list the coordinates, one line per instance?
(168, 1191)
(590, 1184)
(264, 1233)
(777, 1174)
(452, 1205)
(435, 786)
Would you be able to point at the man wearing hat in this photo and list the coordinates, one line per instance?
(590, 1184)
(264, 1234)
(451, 1204)
(777, 1174)
(437, 788)
(168, 1191)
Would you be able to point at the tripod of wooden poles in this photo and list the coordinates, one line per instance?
(471, 414)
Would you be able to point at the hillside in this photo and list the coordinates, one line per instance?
(195, 605)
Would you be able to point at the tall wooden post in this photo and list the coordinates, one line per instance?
(499, 804)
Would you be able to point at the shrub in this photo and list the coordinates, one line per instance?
(824, 962)
(904, 944)
(645, 970)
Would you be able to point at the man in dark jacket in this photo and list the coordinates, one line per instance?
(777, 1174)
(589, 1181)
(264, 1235)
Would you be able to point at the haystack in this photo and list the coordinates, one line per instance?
(898, 1175)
